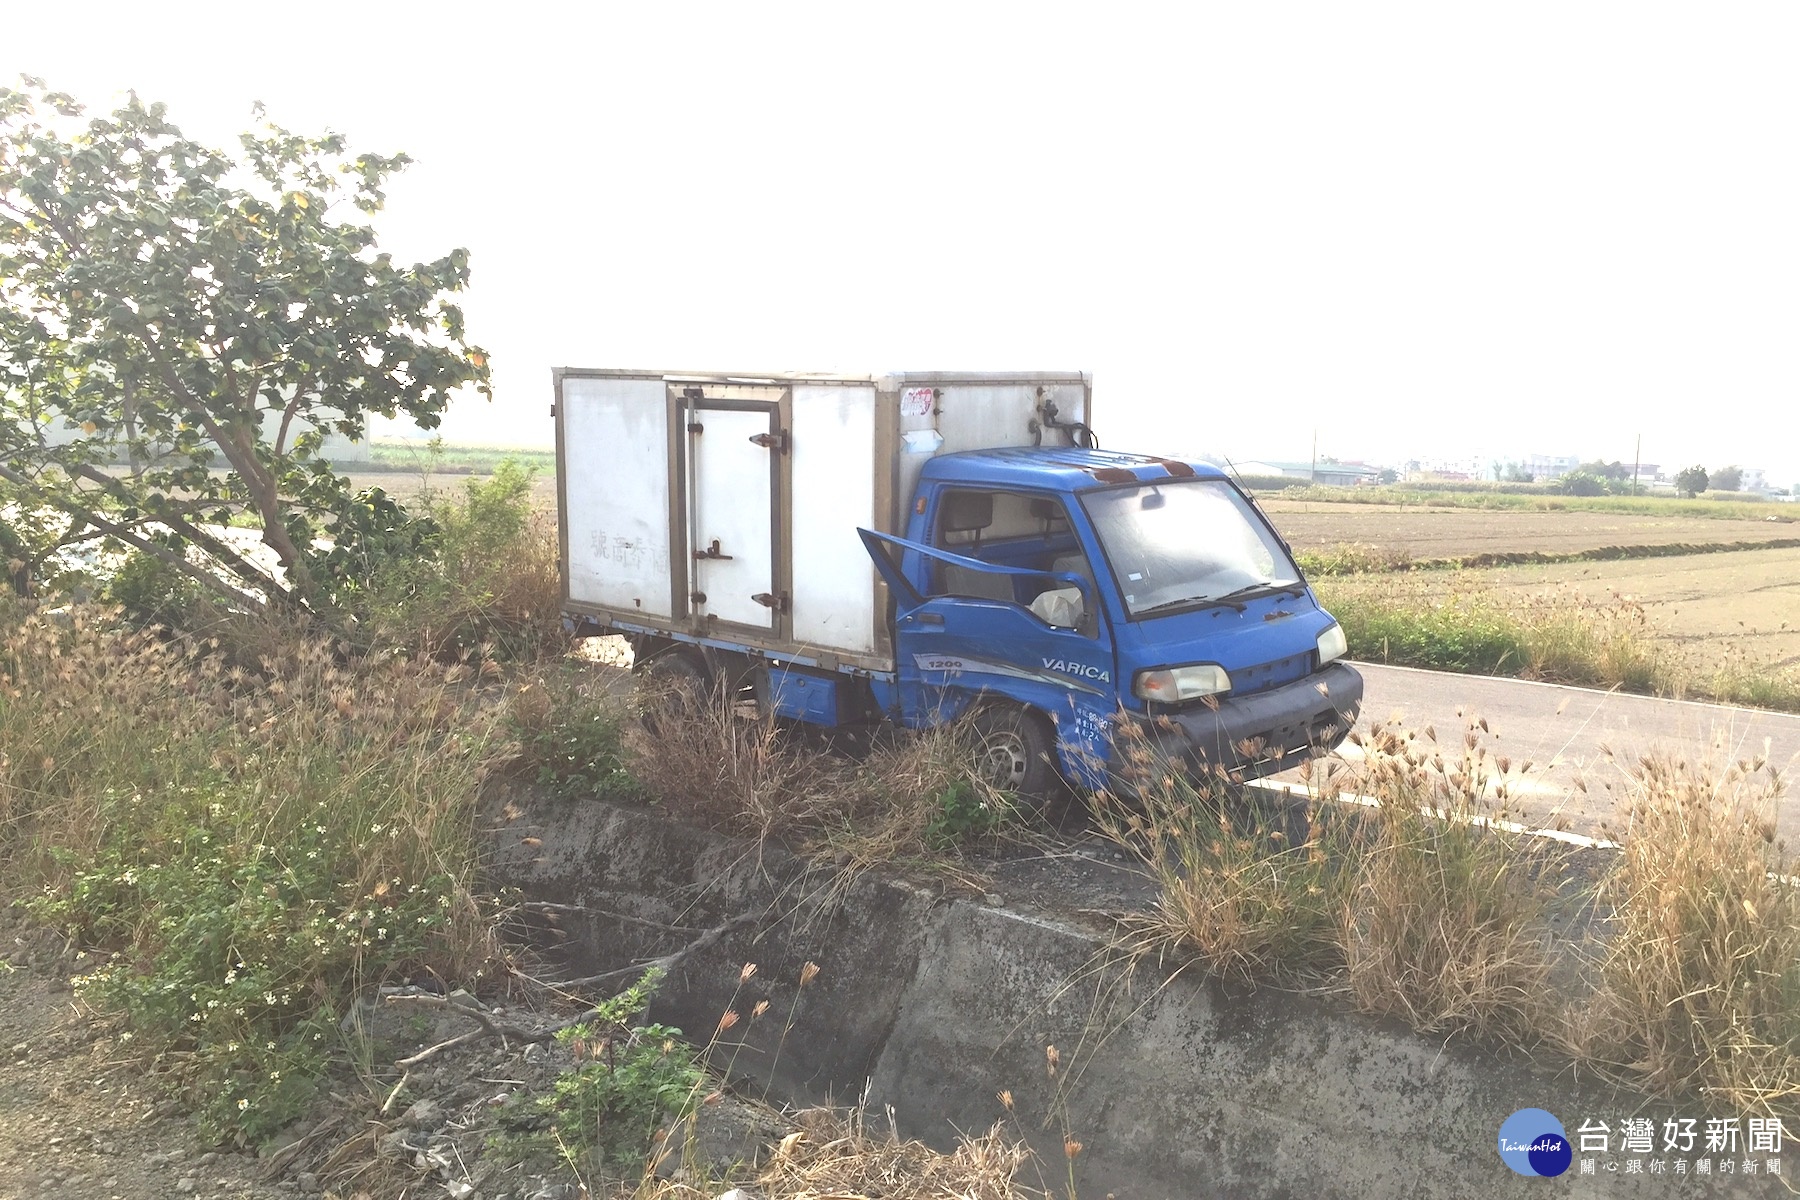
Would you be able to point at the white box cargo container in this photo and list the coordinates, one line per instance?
(725, 506)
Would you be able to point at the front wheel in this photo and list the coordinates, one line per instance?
(1015, 751)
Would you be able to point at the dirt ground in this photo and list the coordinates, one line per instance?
(76, 1120)
(83, 1118)
(1456, 532)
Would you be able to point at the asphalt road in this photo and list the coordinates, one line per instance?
(1572, 733)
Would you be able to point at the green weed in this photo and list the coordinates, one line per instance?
(629, 1080)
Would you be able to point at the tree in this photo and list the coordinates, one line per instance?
(1388, 475)
(1727, 479)
(208, 317)
(1581, 483)
(1602, 469)
(1692, 481)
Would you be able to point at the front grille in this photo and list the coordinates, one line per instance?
(1248, 681)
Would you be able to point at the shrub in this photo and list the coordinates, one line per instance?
(571, 734)
(488, 576)
(628, 1080)
(153, 593)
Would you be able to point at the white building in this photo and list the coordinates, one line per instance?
(337, 447)
(1550, 466)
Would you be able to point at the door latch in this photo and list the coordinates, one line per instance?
(777, 601)
(771, 441)
(711, 551)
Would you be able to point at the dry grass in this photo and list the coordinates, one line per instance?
(1416, 895)
(833, 1156)
(1448, 925)
(258, 841)
(705, 759)
(1699, 987)
(1410, 901)
(709, 760)
(92, 713)
(1240, 892)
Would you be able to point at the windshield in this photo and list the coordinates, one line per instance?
(1188, 543)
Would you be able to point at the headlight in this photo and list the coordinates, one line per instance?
(1172, 685)
(1332, 644)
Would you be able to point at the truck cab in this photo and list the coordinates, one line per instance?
(1101, 600)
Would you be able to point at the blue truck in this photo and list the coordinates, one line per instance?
(930, 547)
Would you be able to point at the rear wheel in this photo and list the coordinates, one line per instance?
(675, 682)
(1015, 751)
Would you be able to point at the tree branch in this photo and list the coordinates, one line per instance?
(243, 460)
(246, 570)
(488, 1027)
(132, 538)
(665, 963)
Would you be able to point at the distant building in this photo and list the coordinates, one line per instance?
(1451, 470)
(1754, 480)
(1327, 474)
(1550, 466)
(337, 448)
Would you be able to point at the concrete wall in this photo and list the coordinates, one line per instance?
(1175, 1084)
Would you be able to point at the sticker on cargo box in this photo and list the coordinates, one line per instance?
(917, 402)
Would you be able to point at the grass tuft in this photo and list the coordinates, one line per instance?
(1700, 978)
(835, 1155)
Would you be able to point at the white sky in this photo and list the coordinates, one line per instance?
(1420, 230)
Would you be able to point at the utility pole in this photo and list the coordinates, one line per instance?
(1637, 458)
(1315, 460)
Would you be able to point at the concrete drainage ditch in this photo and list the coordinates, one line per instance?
(932, 1005)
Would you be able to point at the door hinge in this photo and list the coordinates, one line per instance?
(697, 597)
(711, 551)
(696, 427)
(777, 601)
(771, 441)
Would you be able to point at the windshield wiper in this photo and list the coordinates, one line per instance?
(1268, 585)
(1185, 600)
(1232, 599)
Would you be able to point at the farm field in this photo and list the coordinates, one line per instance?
(1709, 607)
(405, 485)
(1434, 532)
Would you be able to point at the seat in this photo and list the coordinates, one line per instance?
(985, 585)
(1065, 606)
(1075, 564)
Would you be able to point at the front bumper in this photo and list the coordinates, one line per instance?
(1260, 734)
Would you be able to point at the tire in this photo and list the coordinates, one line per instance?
(676, 682)
(1015, 751)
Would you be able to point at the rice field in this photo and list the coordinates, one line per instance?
(1423, 533)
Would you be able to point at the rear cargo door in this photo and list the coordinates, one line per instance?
(733, 456)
